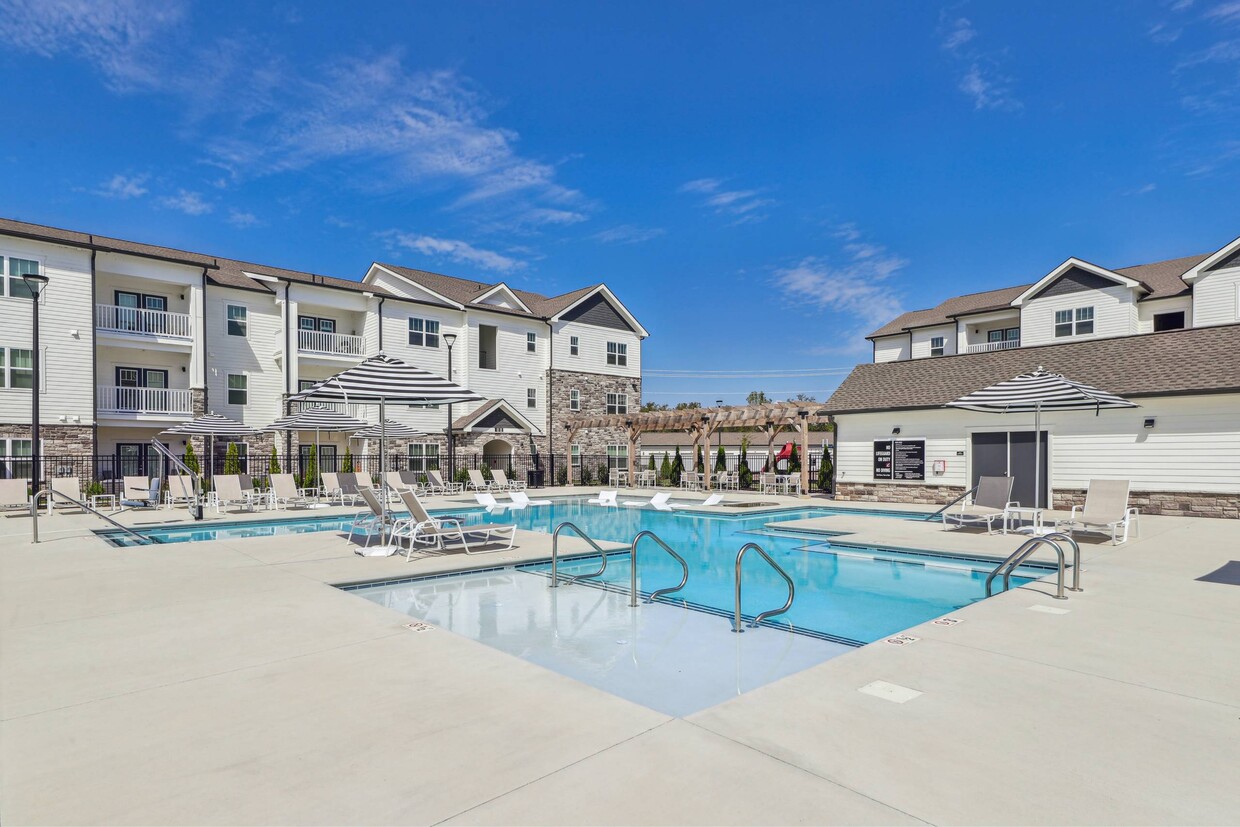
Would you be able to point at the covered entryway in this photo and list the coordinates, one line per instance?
(497, 453)
(1011, 454)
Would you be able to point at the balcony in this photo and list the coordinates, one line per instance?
(132, 321)
(329, 344)
(987, 347)
(156, 401)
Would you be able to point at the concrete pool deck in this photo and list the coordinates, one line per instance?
(229, 682)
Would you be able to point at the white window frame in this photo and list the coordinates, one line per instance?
(531, 397)
(1076, 318)
(244, 321)
(574, 399)
(531, 342)
(617, 403)
(422, 329)
(574, 346)
(574, 456)
(617, 455)
(419, 459)
(941, 345)
(618, 354)
(7, 448)
(7, 370)
(229, 389)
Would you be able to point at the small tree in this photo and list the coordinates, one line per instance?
(603, 477)
(697, 459)
(486, 472)
(746, 475)
(721, 460)
(794, 460)
(311, 479)
(678, 467)
(273, 465)
(651, 467)
(462, 475)
(825, 469)
(191, 459)
(586, 477)
(665, 470)
(561, 475)
(232, 459)
(347, 467)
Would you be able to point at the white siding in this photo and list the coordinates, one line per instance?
(1115, 314)
(516, 368)
(1194, 446)
(65, 324)
(922, 336)
(1146, 311)
(1216, 298)
(592, 355)
(892, 348)
(396, 315)
(253, 355)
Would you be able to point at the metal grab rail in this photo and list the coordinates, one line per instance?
(555, 550)
(1017, 557)
(633, 569)
(47, 492)
(163, 450)
(737, 625)
(1057, 537)
(970, 492)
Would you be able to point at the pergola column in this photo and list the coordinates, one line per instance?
(804, 424)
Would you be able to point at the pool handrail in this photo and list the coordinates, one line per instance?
(47, 492)
(931, 517)
(633, 568)
(555, 549)
(737, 625)
(1019, 556)
(1057, 537)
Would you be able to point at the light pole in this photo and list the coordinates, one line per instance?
(35, 284)
(450, 339)
(719, 404)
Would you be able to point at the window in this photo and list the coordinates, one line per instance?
(617, 403)
(574, 454)
(531, 342)
(238, 388)
(238, 320)
(488, 336)
(424, 332)
(617, 456)
(936, 345)
(574, 400)
(424, 456)
(141, 378)
(531, 397)
(1004, 334)
(16, 368)
(617, 353)
(1078, 322)
(14, 285)
(574, 346)
(316, 323)
(1168, 321)
(11, 464)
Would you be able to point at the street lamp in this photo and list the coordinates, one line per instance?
(35, 284)
(719, 404)
(450, 339)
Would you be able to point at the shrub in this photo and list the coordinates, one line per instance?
(311, 478)
(486, 472)
(561, 475)
(721, 460)
(678, 467)
(651, 467)
(824, 472)
(191, 459)
(273, 465)
(461, 476)
(603, 476)
(665, 470)
(347, 465)
(232, 459)
(94, 489)
(586, 477)
(697, 459)
(794, 461)
(745, 475)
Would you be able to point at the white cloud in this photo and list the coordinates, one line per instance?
(741, 203)
(241, 219)
(1226, 12)
(988, 89)
(628, 234)
(123, 187)
(190, 203)
(853, 283)
(958, 33)
(1144, 189)
(983, 80)
(453, 250)
(117, 36)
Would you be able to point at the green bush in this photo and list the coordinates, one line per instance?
(94, 489)
(191, 459)
(273, 465)
(347, 465)
(486, 472)
(603, 477)
(697, 459)
(311, 478)
(586, 477)
(825, 469)
(461, 476)
(721, 460)
(232, 459)
(665, 470)
(678, 467)
(651, 467)
(561, 475)
(745, 475)
(794, 461)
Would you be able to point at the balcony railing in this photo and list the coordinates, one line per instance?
(986, 347)
(143, 322)
(332, 344)
(114, 399)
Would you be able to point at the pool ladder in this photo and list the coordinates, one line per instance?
(737, 623)
(632, 549)
(1027, 548)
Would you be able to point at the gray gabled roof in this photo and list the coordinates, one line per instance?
(1177, 362)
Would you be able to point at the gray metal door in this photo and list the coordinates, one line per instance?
(990, 455)
(1021, 465)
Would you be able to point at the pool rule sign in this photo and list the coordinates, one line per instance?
(900, 459)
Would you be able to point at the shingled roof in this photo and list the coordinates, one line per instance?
(1163, 278)
(467, 291)
(1191, 361)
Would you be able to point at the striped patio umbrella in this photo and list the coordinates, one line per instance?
(210, 426)
(389, 428)
(317, 418)
(1033, 393)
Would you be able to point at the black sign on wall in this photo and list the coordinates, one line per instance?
(899, 459)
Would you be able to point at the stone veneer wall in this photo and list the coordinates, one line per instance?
(891, 493)
(57, 439)
(594, 388)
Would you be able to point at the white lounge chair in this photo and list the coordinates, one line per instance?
(605, 498)
(659, 501)
(228, 492)
(284, 491)
(374, 518)
(341, 487)
(1106, 510)
(14, 496)
(502, 482)
(487, 499)
(437, 484)
(68, 489)
(421, 529)
(713, 499)
(477, 482)
(991, 502)
(180, 491)
(522, 499)
(148, 498)
(134, 488)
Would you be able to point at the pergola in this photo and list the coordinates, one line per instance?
(770, 419)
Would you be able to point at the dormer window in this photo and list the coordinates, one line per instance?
(937, 345)
(1076, 322)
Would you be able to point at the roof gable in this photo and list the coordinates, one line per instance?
(501, 295)
(496, 415)
(599, 306)
(1227, 256)
(1075, 275)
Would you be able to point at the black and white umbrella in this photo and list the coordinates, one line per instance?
(210, 426)
(389, 428)
(1033, 393)
(317, 418)
(382, 378)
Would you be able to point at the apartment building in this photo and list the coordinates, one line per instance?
(1164, 335)
(166, 335)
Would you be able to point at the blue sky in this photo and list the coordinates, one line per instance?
(762, 184)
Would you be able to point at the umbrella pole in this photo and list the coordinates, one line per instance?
(1037, 454)
(383, 535)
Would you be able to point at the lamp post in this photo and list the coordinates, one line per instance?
(450, 339)
(35, 284)
(719, 404)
